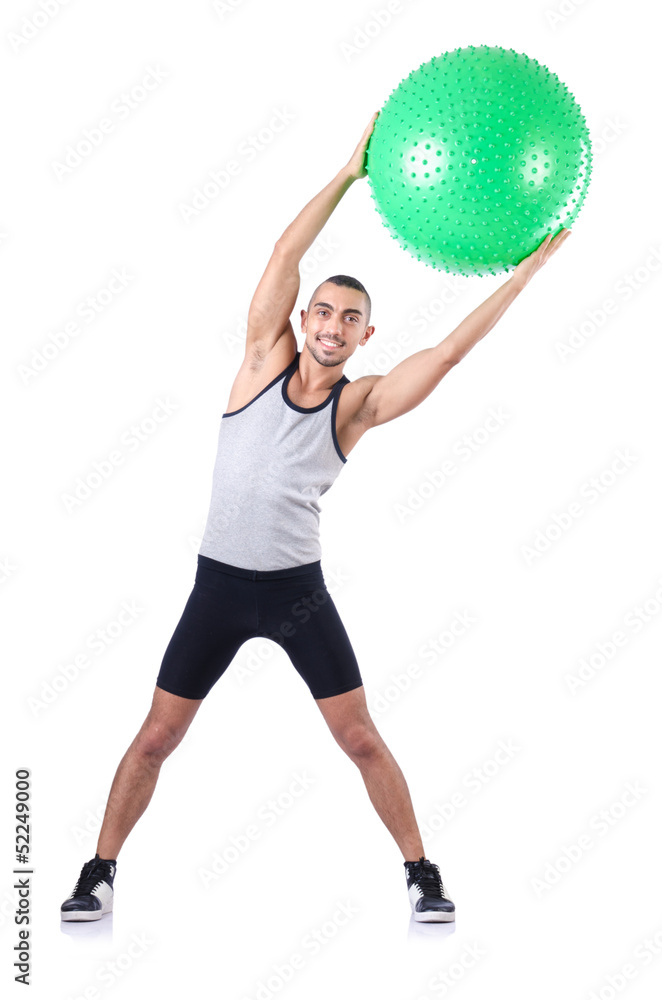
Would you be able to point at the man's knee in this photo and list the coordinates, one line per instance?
(165, 725)
(359, 740)
(156, 741)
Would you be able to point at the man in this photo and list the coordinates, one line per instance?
(291, 421)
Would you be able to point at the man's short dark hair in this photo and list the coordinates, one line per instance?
(348, 282)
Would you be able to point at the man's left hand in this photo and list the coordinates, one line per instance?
(531, 264)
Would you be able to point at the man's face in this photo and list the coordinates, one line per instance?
(335, 324)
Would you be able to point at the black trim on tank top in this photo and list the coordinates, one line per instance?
(334, 410)
(310, 409)
(273, 382)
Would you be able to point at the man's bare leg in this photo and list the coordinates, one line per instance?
(352, 727)
(135, 779)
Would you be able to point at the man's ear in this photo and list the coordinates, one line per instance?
(304, 318)
(369, 330)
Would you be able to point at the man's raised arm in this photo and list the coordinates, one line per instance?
(408, 384)
(276, 294)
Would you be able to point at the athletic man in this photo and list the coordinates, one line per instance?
(291, 421)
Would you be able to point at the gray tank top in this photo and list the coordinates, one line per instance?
(274, 461)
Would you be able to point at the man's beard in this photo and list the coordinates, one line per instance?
(329, 362)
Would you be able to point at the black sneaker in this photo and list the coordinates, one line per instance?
(93, 892)
(427, 896)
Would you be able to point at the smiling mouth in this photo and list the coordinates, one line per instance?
(330, 345)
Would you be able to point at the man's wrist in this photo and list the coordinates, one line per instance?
(346, 175)
(517, 283)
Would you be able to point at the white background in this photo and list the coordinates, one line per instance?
(530, 920)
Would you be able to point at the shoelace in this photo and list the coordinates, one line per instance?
(93, 874)
(429, 880)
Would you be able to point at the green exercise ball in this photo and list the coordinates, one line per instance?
(475, 157)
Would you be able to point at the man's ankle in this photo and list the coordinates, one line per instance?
(105, 857)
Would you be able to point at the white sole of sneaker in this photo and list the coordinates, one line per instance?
(434, 918)
(86, 914)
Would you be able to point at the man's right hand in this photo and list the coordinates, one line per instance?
(356, 165)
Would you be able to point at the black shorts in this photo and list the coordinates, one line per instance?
(229, 605)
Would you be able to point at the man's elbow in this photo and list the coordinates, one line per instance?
(446, 358)
(285, 248)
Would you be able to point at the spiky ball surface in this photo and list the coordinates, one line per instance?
(475, 157)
